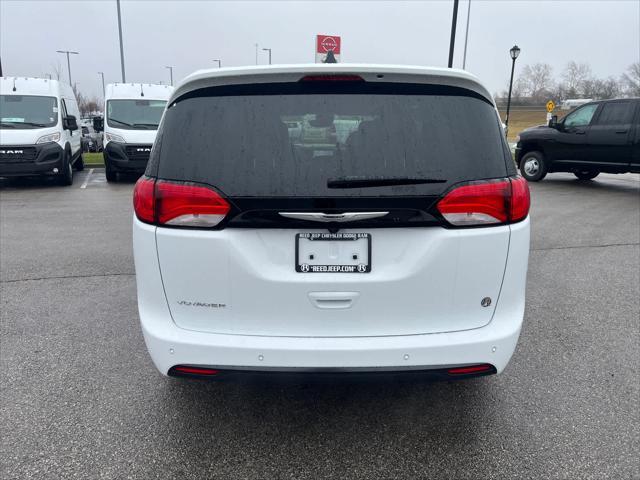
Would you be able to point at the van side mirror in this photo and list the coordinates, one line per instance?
(98, 124)
(553, 123)
(70, 123)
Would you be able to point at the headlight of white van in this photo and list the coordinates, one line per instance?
(110, 137)
(52, 137)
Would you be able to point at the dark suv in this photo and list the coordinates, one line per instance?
(597, 137)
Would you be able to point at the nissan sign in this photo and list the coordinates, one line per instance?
(326, 44)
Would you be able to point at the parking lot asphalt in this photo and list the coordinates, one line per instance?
(79, 397)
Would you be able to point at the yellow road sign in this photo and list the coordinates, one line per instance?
(550, 106)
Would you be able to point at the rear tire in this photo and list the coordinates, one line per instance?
(79, 165)
(587, 174)
(66, 176)
(533, 166)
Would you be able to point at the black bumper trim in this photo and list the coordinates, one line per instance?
(48, 156)
(331, 374)
(116, 158)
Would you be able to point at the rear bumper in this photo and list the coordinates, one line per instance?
(116, 157)
(170, 345)
(47, 157)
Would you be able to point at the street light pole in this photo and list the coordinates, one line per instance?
(268, 50)
(256, 53)
(103, 90)
(68, 62)
(466, 37)
(514, 52)
(219, 63)
(454, 21)
(171, 74)
(124, 78)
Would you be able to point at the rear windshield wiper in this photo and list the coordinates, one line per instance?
(363, 182)
(8, 124)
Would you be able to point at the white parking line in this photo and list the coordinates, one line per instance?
(86, 180)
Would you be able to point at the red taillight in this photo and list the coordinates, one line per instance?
(188, 205)
(520, 198)
(178, 204)
(484, 368)
(143, 201)
(486, 202)
(332, 78)
(195, 370)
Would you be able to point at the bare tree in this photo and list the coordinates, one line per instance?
(630, 80)
(57, 70)
(535, 85)
(574, 76)
(536, 81)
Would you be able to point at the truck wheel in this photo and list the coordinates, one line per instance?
(533, 167)
(66, 176)
(110, 174)
(79, 165)
(587, 174)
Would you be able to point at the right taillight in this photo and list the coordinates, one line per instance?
(178, 204)
(487, 202)
(520, 198)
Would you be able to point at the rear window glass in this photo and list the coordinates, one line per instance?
(616, 113)
(292, 139)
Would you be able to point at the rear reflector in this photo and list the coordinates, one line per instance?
(194, 370)
(483, 368)
(332, 78)
(486, 202)
(178, 204)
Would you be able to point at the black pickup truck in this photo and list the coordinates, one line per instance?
(602, 136)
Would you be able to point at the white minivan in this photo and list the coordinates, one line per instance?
(38, 129)
(393, 239)
(132, 114)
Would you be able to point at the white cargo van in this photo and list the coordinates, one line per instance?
(38, 129)
(132, 115)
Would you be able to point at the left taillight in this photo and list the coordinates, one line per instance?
(178, 204)
(487, 202)
(143, 199)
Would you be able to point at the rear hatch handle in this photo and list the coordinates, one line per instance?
(332, 217)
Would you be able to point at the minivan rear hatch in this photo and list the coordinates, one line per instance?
(332, 228)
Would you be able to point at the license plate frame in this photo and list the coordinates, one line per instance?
(361, 267)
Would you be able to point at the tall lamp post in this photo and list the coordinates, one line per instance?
(268, 50)
(452, 41)
(466, 37)
(514, 52)
(124, 78)
(219, 63)
(68, 62)
(170, 74)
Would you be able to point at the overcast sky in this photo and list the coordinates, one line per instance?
(189, 35)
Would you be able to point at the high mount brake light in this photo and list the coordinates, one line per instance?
(178, 204)
(332, 78)
(488, 202)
